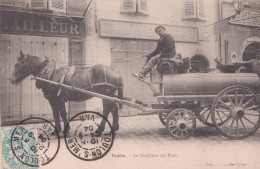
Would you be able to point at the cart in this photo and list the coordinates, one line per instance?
(227, 101)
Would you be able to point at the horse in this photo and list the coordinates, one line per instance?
(98, 78)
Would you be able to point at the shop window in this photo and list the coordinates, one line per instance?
(16, 3)
(194, 10)
(134, 6)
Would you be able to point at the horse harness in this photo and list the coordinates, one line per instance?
(105, 79)
(47, 67)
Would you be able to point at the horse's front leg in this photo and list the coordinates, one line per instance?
(114, 111)
(106, 111)
(63, 115)
(55, 110)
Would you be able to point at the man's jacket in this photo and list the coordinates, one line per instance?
(165, 47)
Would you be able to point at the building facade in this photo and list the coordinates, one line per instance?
(121, 32)
(111, 32)
(238, 34)
(43, 28)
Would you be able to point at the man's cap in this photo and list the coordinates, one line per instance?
(160, 26)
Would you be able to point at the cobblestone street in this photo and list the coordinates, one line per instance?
(143, 142)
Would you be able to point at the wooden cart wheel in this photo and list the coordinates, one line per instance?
(181, 123)
(162, 117)
(205, 116)
(236, 112)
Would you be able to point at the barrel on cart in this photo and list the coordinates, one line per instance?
(227, 101)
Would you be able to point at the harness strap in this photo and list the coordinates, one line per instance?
(66, 69)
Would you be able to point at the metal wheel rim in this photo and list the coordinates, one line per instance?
(238, 116)
(181, 116)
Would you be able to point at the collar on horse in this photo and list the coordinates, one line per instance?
(45, 71)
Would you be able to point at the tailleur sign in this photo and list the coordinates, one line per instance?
(25, 23)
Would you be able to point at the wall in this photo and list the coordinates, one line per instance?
(236, 35)
(24, 99)
(167, 12)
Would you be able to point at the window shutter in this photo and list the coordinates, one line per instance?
(57, 5)
(38, 4)
(76, 7)
(142, 6)
(128, 5)
(201, 9)
(189, 9)
(16, 3)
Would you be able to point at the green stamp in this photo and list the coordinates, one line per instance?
(34, 142)
(9, 159)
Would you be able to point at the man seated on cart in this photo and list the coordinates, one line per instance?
(165, 49)
(252, 65)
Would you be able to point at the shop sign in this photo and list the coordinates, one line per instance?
(36, 24)
(137, 30)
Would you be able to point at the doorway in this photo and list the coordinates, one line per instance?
(250, 50)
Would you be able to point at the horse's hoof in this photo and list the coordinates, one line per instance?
(55, 133)
(116, 128)
(98, 132)
(67, 130)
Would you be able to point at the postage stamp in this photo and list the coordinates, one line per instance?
(84, 142)
(35, 144)
(9, 160)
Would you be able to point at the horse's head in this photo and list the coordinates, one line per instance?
(22, 68)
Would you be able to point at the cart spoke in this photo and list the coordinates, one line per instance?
(219, 116)
(252, 107)
(186, 132)
(249, 120)
(204, 111)
(222, 117)
(171, 126)
(177, 133)
(236, 101)
(207, 117)
(225, 122)
(229, 99)
(173, 130)
(252, 114)
(242, 99)
(225, 106)
(187, 119)
(231, 126)
(243, 125)
(182, 133)
(244, 105)
(222, 110)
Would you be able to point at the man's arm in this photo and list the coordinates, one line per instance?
(155, 52)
